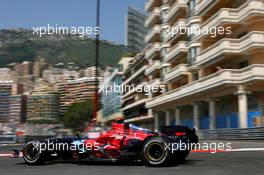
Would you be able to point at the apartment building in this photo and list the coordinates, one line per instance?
(111, 98)
(213, 81)
(18, 108)
(11, 103)
(43, 107)
(59, 75)
(133, 98)
(24, 74)
(91, 72)
(135, 29)
(77, 90)
(5, 74)
(42, 103)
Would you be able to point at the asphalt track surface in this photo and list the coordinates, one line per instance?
(247, 161)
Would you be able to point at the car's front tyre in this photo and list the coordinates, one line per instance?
(32, 154)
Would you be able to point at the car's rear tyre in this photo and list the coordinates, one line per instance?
(155, 152)
(32, 154)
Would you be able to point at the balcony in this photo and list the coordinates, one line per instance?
(153, 35)
(139, 118)
(203, 5)
(175, 51)
(153, 18)
(175, 30)
(151, 4)
(231, 46)
(154, 82)
(134, 75)
(135, 104)
(153, 67)
(234, 16)
(177, 6)
(153, 50)
(130, 92)
(176, 72)
(232, 77)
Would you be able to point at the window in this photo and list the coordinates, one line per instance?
(243, 64)
(195, 76)
(192, 55)
(164, 51)
(191, 5)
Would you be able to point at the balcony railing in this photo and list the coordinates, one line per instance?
(203, 4)
(134, 104)
(150, 4)
(227, 76)
(155, 31)
(228, 45)
(180, 47)
(154, 82)
(134, 75)
(153, 67)
(175, 30)
(155, 15)
(175, 9)
(133, 90)
(176, 72)
(155, 48)
(229, 15)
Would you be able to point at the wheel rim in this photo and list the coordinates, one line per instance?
(31, 152)
(155, 152)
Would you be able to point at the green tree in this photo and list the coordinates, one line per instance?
(77, 115)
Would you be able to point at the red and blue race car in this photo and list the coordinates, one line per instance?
(123, 142)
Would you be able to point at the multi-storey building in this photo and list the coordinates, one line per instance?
(8, 91)
(18, 108)
(111, 93)
(74, 91)
(213, 80)
(135, 29)
(5, 74)
(5, 93)
(39, 66)
(91, 72)
(43, 107)
(24, 75)
(133, 98)
(59, 75)
(42, 102)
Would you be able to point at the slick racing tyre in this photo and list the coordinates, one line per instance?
(155, 152)
(32, 154)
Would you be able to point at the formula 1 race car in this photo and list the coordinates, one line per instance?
(123, 142)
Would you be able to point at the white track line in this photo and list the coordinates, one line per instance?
(246, 149)
(5, 155)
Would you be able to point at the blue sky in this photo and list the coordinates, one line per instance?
(34, 13)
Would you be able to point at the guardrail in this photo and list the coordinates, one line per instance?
(232, 134)
(7, 139)
(40, 138)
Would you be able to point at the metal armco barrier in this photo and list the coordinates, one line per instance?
(31, 138)
(7, 139)
(232, 134)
